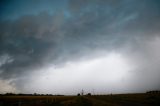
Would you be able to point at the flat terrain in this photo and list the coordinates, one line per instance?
(96, 100)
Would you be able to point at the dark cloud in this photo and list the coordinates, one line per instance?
(84, 27)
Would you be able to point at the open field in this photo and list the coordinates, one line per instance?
(96, 100)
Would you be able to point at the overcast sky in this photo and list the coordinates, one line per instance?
(64, 46)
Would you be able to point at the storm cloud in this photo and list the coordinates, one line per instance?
(39, 39)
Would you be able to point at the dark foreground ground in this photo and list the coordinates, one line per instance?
(96, 100)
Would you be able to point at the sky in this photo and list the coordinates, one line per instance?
(64, 46)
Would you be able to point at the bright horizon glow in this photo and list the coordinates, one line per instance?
(95, 73)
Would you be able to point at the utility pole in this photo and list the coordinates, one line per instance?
(93, 92)
(82, 92)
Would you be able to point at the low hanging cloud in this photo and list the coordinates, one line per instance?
(7, 86)
(82, 31)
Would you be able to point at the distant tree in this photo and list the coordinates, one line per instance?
(89, 94)
(78, 94)
(35, 94)
(9, 94)
(153, 92)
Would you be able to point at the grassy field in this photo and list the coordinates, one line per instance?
(96, 100)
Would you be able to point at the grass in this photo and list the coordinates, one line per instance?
(96, 100)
